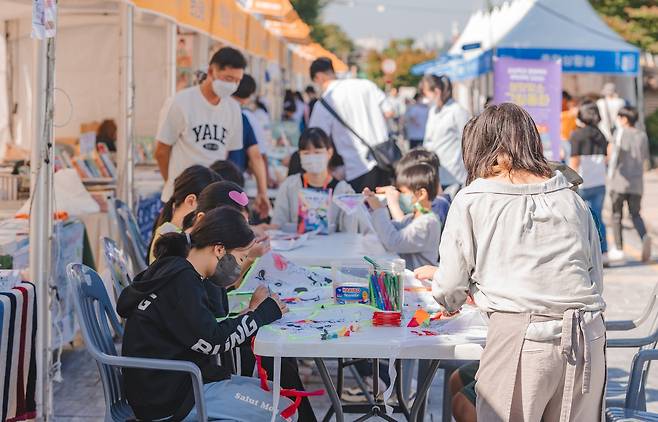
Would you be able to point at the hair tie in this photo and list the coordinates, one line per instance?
(189, 239)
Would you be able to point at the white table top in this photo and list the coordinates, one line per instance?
(374, 343)
(321, 251)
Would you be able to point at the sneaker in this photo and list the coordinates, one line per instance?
(646, 248)
(616, 255)
(356, 395)
(605, 260)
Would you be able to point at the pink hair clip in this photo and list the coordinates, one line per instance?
(240, 198)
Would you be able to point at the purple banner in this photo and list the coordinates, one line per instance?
(535, 85)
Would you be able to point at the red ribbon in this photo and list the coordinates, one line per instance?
(285, 392)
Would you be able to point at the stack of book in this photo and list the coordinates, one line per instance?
(96, 166)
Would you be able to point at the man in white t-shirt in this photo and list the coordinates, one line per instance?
(362, 105)
(202, 124)
(415, 120)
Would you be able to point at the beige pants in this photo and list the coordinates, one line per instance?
(525, 380)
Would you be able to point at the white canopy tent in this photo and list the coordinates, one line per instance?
(569, 30)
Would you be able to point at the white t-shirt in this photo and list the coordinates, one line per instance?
(415, 120)
(608, 109)
(259, 130)
(443, 135)
(360, 104)
(199, 132)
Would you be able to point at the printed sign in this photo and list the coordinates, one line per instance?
(44, 14)
(536, 86)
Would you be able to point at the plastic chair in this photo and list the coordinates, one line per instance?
(616, 391)
(131, 239)
(116, 260)
(93, 310)
(634, 403)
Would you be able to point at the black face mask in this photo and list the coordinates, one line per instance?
(227, 272)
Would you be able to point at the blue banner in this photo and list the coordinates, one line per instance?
(460, 69)
(580, 61)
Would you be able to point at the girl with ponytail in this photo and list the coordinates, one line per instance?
(187, 187)
(169, 315)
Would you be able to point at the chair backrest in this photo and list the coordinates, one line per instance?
(94, 310)
(116, 260)
(131, 238)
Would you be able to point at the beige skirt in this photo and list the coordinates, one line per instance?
(556, 380)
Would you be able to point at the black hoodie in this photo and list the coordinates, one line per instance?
(171, 316)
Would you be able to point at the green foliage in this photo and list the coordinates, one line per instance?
(334, 39)
(309, 10)
(651, 123)
(635, 20)
(405, 57)
(330, 36)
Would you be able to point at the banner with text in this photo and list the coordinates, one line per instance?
(535, 85)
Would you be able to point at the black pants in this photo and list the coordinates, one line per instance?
(633, 202)
(289, 378)
(374, 178)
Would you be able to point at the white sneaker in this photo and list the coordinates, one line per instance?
(616, 255)
(646, 248)
(605, 260)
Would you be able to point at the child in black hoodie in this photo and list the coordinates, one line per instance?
(169, 315)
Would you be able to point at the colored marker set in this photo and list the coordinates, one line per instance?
(385, 290)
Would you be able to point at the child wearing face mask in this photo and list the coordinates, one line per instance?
(315, 152)
(225, 193)
(230, 270)
(415, 237)
(170, 316)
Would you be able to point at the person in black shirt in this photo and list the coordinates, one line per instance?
(172, 312)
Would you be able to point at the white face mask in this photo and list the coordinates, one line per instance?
(314, 163)
(224, 89)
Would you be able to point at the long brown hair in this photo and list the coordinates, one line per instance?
(503, 139)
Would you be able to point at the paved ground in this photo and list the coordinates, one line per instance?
(627, 288)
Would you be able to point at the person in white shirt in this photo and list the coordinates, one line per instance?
(609, 105)
(415, 120)
(362, 105)
(443, 133)
(202, 124)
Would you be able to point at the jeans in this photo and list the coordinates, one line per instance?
(594, 198)
(633, 202)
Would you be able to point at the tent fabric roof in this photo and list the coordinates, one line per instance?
(569, 30)
(563, 25)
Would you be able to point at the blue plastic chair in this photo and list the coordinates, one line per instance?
(131, 239)
(634, 404)
(94, 310)
(116, 261)
(648, 322)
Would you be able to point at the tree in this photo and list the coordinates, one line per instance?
(330, 36)
(405, 56)
(635, 20)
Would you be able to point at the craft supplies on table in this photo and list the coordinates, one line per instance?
(387, 284)
(350, 282)
(386, 319)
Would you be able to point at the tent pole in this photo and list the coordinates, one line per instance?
(639, 96)
(41, 217)
(170, 73)
(126, 156)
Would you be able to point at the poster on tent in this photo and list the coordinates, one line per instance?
(44, 13)
(535, 85)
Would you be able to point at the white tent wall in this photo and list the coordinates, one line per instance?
(5, 133)
(87, 69)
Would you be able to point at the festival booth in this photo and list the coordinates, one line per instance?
(571, 31)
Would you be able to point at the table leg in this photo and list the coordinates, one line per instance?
(331, 389)
(447, 397)
(276, 383)
(423, 388)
